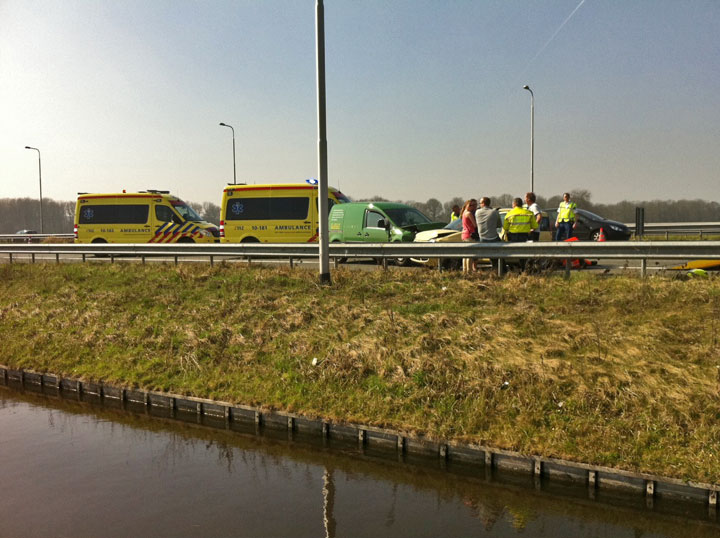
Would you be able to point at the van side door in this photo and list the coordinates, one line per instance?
(374, 227)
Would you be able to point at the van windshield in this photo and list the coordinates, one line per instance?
(186, 212)
(406, 216)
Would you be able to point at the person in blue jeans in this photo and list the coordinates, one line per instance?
(565, 222)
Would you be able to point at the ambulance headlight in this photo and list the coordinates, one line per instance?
(205, 233)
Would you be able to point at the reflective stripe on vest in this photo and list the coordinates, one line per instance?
(566, 211)
(519, 221)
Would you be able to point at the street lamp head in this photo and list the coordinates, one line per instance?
(526, 87)
(221, 123)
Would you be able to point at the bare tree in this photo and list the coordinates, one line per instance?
(211, 212)
(434, 209)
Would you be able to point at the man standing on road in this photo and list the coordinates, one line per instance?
(565, 222)
(519, 222)
(532, 206)
(455, 214)
(488, 222)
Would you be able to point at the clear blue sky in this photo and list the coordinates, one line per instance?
(424, 98)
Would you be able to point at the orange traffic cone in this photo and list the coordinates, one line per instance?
(601, 236)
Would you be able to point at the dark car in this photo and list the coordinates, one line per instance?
(27, 239)
(589, 225)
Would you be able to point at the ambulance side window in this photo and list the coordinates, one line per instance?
(164, 214)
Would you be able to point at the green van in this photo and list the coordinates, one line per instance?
(377, 222)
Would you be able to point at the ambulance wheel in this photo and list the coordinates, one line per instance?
(99, 240)
(185, 240)
(250, 240)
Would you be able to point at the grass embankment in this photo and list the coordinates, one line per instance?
(616, 371)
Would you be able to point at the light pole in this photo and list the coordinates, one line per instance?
(233, 135)
(532, 137)
(40, 174)
(324, 251)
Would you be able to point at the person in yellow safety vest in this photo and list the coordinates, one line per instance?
(565, 222)
(519, 222)
(455, 213)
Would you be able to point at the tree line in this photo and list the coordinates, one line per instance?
(58, 216)
(624, 211)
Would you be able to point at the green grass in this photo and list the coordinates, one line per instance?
(617, 371)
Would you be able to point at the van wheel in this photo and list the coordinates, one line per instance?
(185, 240)
(98, 241)
(250, 240)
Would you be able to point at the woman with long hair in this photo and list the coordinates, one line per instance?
(469, 229)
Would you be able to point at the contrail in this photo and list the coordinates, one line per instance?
(553, 36)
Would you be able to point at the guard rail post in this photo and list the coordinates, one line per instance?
(643, 267)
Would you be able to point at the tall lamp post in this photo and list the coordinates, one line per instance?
(42, 230)
(532, 137)
(324, 257)
(233, 135)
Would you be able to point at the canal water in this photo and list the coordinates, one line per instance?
(82, 468)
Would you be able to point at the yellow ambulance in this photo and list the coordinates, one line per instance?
(139, 217)
(273, 213)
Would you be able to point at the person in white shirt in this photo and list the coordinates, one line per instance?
(532, 206)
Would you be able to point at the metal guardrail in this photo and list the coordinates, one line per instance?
(686, 227)
(651, 229)
(638, 250)
(32, 238)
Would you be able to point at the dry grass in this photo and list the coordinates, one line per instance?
(616, 371)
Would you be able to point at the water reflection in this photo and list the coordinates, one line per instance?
(76, 469)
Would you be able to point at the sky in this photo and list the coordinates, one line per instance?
(425, 98)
